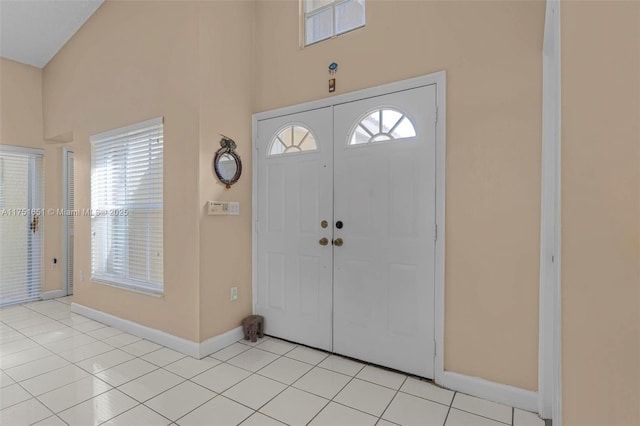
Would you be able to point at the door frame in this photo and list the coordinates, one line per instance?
(550, 321)
(65, 220)
(437, 78)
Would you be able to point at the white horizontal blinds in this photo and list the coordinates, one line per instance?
(70, 220)
(21, 225)
(324, 19)
(126, 203)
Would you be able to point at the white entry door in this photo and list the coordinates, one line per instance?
(362, 176)
(384, 214)
(295, 199)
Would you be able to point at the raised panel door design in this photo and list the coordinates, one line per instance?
(295, 174)
(392, 175)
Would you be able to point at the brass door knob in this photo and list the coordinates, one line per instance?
(323, 241)
(338, 242)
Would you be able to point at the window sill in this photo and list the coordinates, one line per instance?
(129, 287)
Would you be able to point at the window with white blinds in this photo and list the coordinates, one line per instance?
(68, 234)
(126, 207)
(21, 224)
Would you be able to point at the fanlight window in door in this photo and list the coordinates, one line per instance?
(291, 139)
(384, 124)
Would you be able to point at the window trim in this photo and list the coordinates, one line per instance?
(106, 278)
(321, 9)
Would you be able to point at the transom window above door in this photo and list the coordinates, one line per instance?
(382, 124)
(291, 139)
(324, 19)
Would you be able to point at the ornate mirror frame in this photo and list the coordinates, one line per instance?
(228, 146)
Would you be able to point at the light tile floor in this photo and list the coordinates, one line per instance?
(60, 368)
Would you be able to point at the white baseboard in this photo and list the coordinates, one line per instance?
(476, 386)
(52, 294)
(187, 347)
(492, 391)
(216, 343)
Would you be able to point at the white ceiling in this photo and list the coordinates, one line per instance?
(32, 31)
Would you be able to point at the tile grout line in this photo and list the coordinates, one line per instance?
(338, 393)
(287, 386)
(450, 407)
(91, 374)
(216, 394)
(394, 397)
(190, 411)
(32, 398)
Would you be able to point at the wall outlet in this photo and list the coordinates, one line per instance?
(234, 293)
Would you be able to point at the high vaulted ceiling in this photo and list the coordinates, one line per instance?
(32, 31)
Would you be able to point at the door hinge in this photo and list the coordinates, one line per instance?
(435, 352)
(436, 114)
(435, 232)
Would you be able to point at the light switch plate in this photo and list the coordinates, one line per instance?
(234, 208)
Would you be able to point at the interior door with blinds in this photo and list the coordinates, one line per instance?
(21, 224)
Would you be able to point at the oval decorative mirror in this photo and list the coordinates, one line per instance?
(226, 163)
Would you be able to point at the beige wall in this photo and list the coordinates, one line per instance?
(137, 60)
(175, 59)
(130, 62)
(20, 104)
(601, 213)
(226, 70)
(21, 125)
(492, 53)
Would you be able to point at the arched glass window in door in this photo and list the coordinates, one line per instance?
(383, 124)
(293, 138)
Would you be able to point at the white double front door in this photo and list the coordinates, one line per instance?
(346, 226)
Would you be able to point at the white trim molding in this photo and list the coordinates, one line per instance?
(187, 347)
(496, 392)
(550, 321)
(52, 294)
(220, 341)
